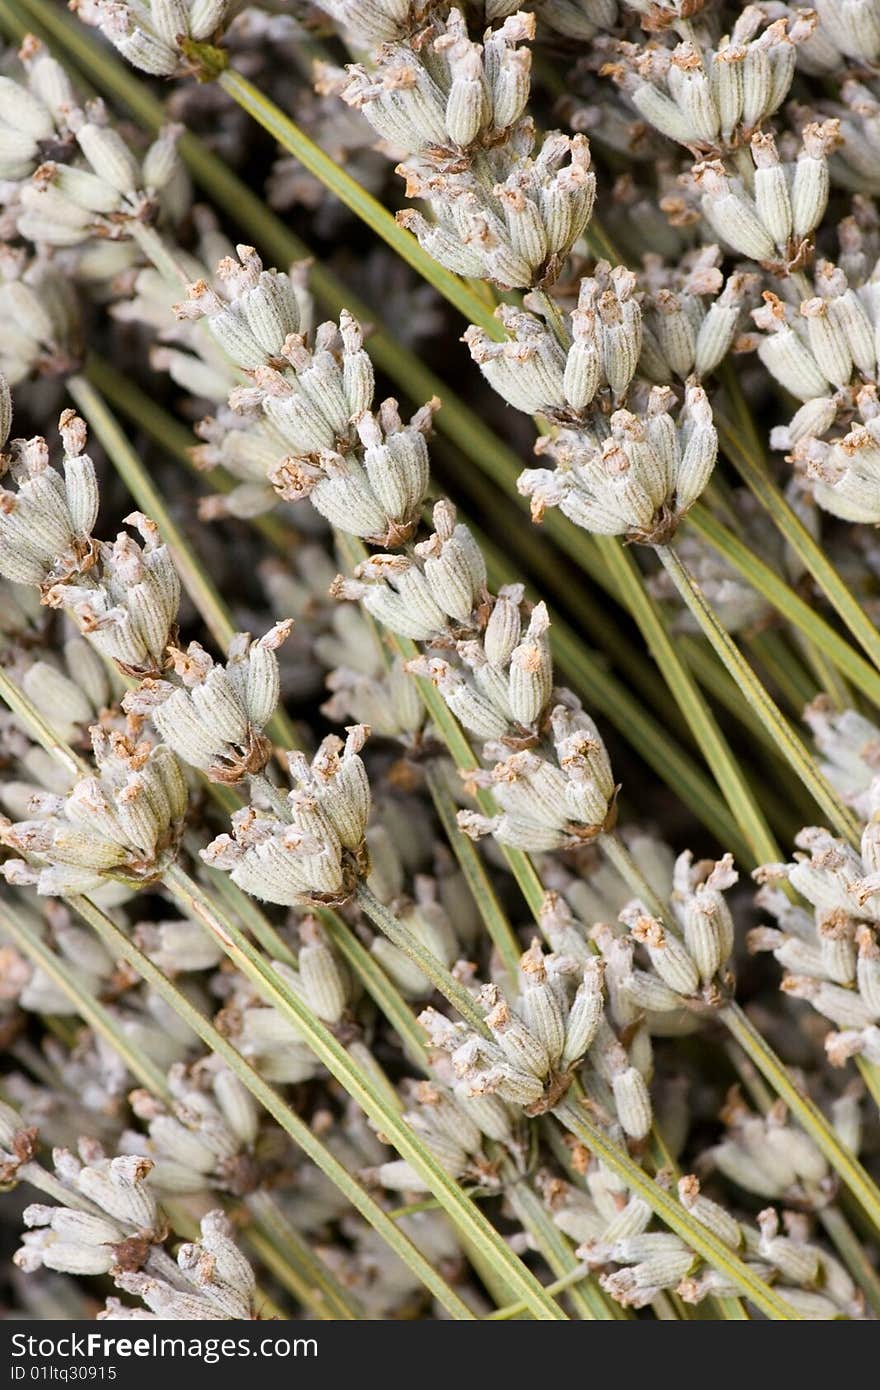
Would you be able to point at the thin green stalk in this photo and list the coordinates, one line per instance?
(794, 683)
(320, 1290)
(616, 852)
(378, 986)
(293, 1278)
(804, 1110)
(753, 470)
(340, 183)
(714, 747)
(401, 937)
(796, 752)
(870, 1074)
(674, 1215)
(474, 871)
(30, 716)
(267, 1096)
(853, 1254)
(566, 1281)
(362, 1090)
(787, 603)
(90, 1009)
(198, 585)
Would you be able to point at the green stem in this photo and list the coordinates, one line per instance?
(566, 1281)
(30, 716)
(340, 183)
(474, 871)
(401, 937)
(786, 602)
(796, 752)
(378, 986)
(267, 1096)
(319, 1289)
(617, 853)
(361, 1088)
(755, 474)
(674, 1215)
(91, 1011)
(714, 747)
(804, 1110)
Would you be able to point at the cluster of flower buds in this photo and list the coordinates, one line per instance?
(536, 1041)
(683, 335)
(502, 212)
(650, 1261)
(124, 823)
(33, 114)
(505, 679)
(518, 232)
(687, 958)
(841, 471)
(533, 373)
(846, 29)
(444, 93)
(370, 481)
(38, 305)
(111, 1224)
(307, 424)
(70, 691)
(251, 312)
(548, 804)
(205, 1139)
(424, 594)
(711, 99)
(816, 348)
(831, 954)
(850, 747)
(123, 597)
(640, 480)
(454, 1128)
(46, 524)
(311, 848)
(772, 221)
(156, 37)
(211, 1281)
(388, 702)
(104, 189)
(214, 718)
(126, 603)
(770, 1157)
